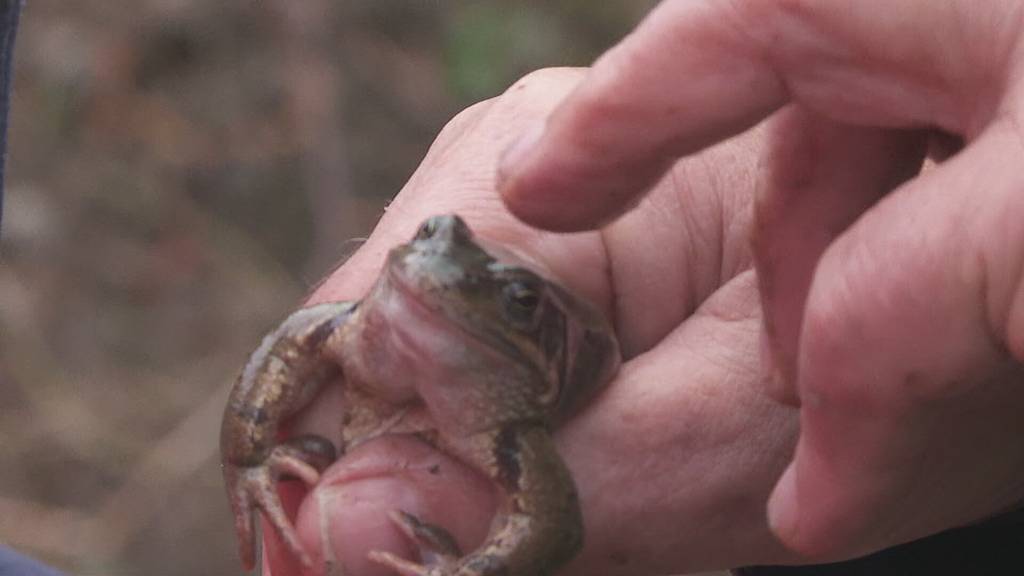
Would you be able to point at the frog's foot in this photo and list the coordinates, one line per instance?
(438, 551)
(302, 457)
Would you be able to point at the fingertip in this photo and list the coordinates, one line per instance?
(805, 521)
(342, 522)
(800, 523)
(348, 513)
(557, 188)
(577, 169)
(531, 195)
(776, 384)
(814, 514)
(514, 160)
(782, 508)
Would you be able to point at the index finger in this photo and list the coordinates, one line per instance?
(696, 72)
(686, 78)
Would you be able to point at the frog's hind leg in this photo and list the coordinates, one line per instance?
(302, 457)
(538, 529)
(281, 376)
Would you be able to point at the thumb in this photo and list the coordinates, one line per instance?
(347, 514)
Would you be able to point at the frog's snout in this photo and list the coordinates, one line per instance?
(438, 256)
(443, 230)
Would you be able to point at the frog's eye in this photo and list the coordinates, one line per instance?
(521, 302)
(427, 229)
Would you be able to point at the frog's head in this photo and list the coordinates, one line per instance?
(503, 305)
(505, 309)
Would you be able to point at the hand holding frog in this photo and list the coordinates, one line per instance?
(674, 459)
(477, 356)
(894, 300)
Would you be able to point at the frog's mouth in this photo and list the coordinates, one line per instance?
(431, 322)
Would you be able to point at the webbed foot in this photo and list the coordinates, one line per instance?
(439, 553)
(302, 457)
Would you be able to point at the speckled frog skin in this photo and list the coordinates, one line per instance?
(477, 356)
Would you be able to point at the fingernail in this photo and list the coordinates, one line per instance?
(324, 500)
(518, 153)
(776, 376)
(774, 382)
(783, 506)
(353, 519)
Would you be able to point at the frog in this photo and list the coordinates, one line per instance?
(459, 343)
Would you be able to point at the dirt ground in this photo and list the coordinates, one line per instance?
(180, 173)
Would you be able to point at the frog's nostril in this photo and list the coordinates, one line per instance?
(428, 229)
(446, 229)
(458, 227)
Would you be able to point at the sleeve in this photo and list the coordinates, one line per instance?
(991, 548)
(9, 12)
(14, 564)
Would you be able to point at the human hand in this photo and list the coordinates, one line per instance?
(675, 459)
(894, 300)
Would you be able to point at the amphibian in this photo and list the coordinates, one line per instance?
(476, 355)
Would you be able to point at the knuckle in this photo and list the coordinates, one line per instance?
(883, 330)
(537, 93)
(857, 315)
(826, 537)
(543, 80)
(457, 126)
(825, 343)
(532, 96)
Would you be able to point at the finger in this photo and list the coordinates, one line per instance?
(696, 72)
(687, 77)
(689, 445)
(910, 395)
(347, 515)
(817, 177)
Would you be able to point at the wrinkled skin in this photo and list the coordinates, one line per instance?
(675, 459)
(477, 356)
(893, 296)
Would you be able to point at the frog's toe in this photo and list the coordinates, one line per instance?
(436, 545)
(401, 565)
(308, 451)
(242, 507)
(302, 457)
(438, 551)
(260, 487)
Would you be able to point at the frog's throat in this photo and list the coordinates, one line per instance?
(488, 342)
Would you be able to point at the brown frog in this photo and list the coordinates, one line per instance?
(477, 356)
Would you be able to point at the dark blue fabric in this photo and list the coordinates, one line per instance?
(9, 11)
(14, 564)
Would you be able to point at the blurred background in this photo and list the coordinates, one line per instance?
(180, 173)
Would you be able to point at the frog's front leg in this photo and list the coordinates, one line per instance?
(539, 528)
(281, 377)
